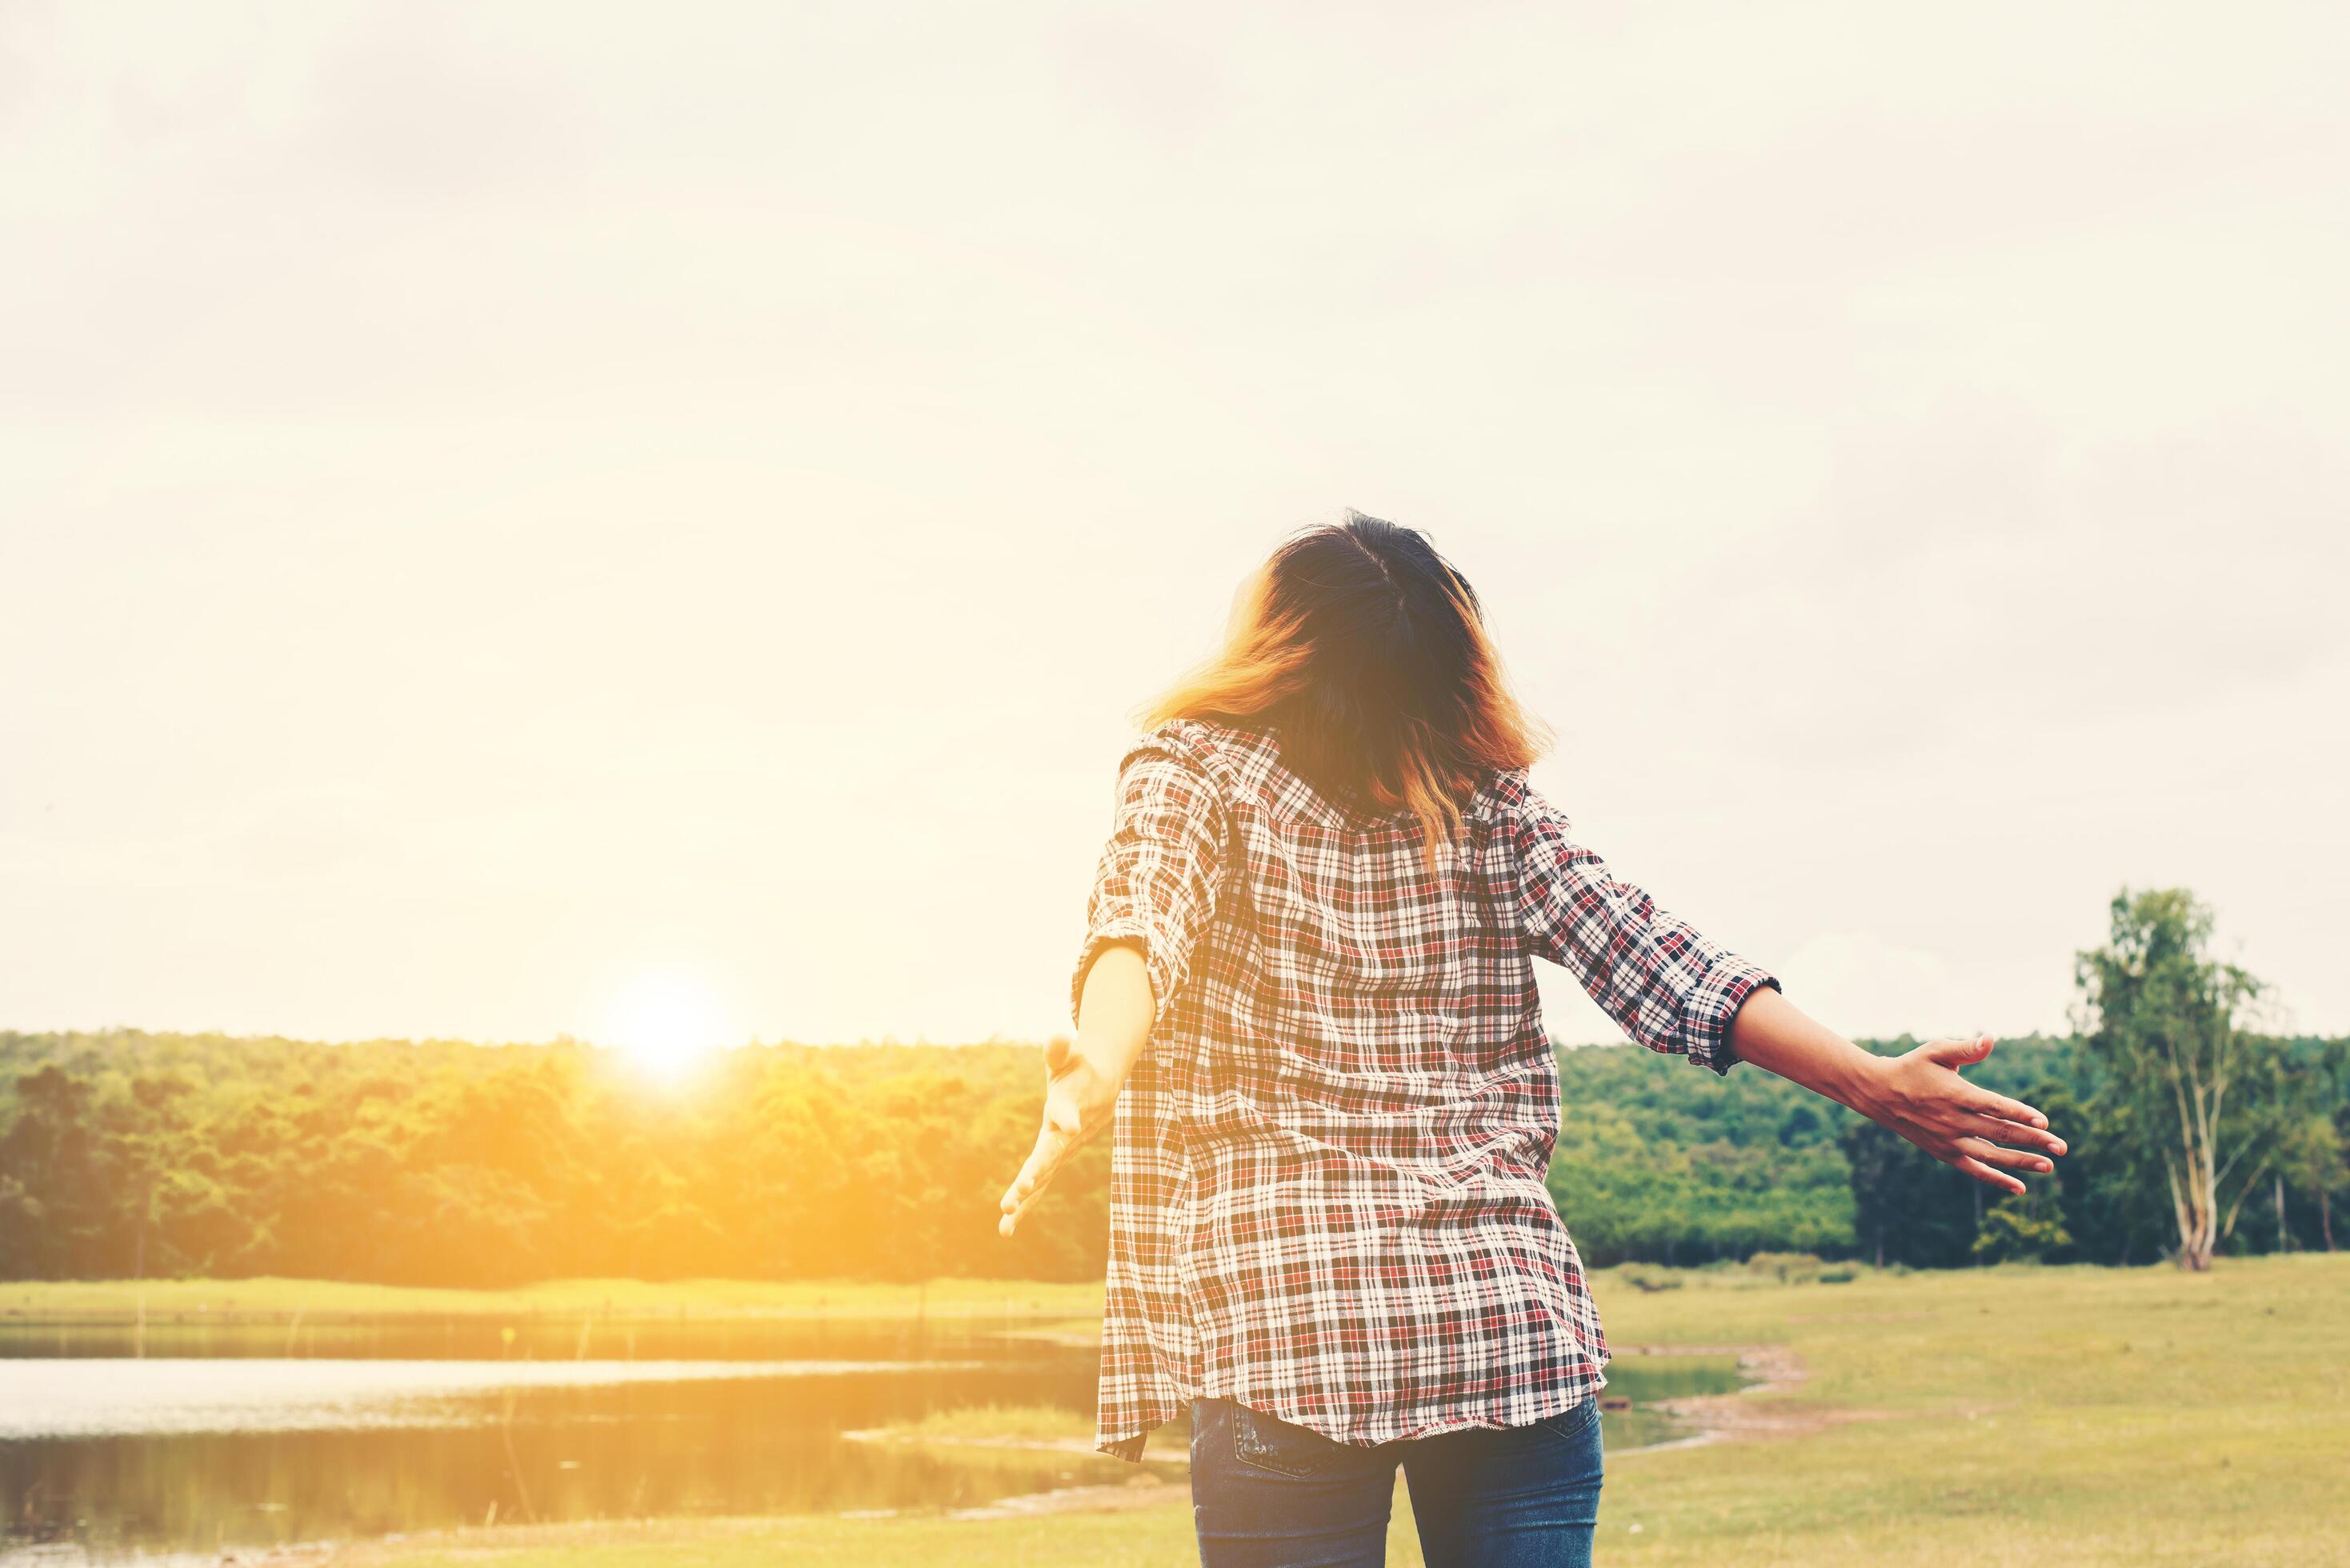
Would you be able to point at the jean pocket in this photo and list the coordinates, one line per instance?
(1269, 1443)
(1575, 1421)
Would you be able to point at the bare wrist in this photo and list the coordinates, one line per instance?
(1090, 1088)
(1860, 1084)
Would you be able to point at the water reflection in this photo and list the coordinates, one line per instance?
(76, 1398)
(217, 1446)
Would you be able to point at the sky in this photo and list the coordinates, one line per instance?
(518, 519)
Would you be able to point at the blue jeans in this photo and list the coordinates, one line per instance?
(1268, 1494)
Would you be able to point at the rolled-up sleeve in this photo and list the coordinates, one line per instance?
(1156, 882)
(1662, 981)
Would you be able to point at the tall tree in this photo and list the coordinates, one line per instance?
(2164, 1017)
(52, 1182)
(2315, 1155)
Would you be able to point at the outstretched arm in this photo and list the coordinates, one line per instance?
(1673, 990)
(1082, 1080)
(1154, 893)
(1919, 1093)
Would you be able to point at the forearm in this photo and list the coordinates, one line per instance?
(1114, 1017)
(1774, 1034)
(1082, 1077)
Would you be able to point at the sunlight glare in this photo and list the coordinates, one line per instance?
(667, 1022)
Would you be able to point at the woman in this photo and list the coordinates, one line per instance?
(1305, 1000)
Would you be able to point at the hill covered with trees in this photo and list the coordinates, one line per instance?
(132, 1153)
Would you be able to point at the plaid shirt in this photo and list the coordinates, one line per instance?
(1326, 1173)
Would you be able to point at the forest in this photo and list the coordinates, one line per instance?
(127, 1154)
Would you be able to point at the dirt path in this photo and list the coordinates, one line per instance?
(1722, 1418)
(1727, 1417)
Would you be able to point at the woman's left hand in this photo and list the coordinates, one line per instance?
(1921, 1095)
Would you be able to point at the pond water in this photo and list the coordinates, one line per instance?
(193, 1439)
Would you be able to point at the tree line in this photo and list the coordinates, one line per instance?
(127, 1154)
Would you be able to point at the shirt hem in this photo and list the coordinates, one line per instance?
(1130, 1445)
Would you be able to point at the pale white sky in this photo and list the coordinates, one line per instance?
(505, 506)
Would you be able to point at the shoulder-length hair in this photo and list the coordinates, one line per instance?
(1364, 652)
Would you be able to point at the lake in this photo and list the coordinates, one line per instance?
(191, 1439)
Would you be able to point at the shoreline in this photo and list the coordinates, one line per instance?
(1716, 1417)
(1723, 1418)
(2080, 1413)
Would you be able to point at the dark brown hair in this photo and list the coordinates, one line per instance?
(1366, 652)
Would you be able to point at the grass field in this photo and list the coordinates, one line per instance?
(2001, 1416)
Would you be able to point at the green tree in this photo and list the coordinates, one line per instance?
(1907, 1207)
(2313, 1154)
(2164, 1020)
(2027, 1224)
(52, 1179)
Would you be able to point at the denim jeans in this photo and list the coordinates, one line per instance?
(1268, 1494)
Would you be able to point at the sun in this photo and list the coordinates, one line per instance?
(667, 1022)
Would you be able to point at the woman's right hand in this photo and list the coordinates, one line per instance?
(1075, 1110)
(1083, 1077)
(1921, 1095)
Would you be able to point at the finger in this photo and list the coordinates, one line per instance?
(1995, 1130)
(1018, 1199)
(1992, 1105)
(1025, 1194)
(1018, 1196)
(2012, 1158)
(1986, 1175)
(1959, 1051)
(1042, 1162)
(1052, 1150)
(1033, 1172)
(1011, 1221)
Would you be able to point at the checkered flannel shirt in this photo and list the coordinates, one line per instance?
(1326, 1172)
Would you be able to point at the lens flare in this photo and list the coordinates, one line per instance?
(667, 1022)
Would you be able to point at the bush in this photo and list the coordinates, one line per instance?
(2023, 1228)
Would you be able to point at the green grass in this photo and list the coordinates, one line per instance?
(2009, 1415)
(2018, 1415)
(1155, 1536)
(275, 1300)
